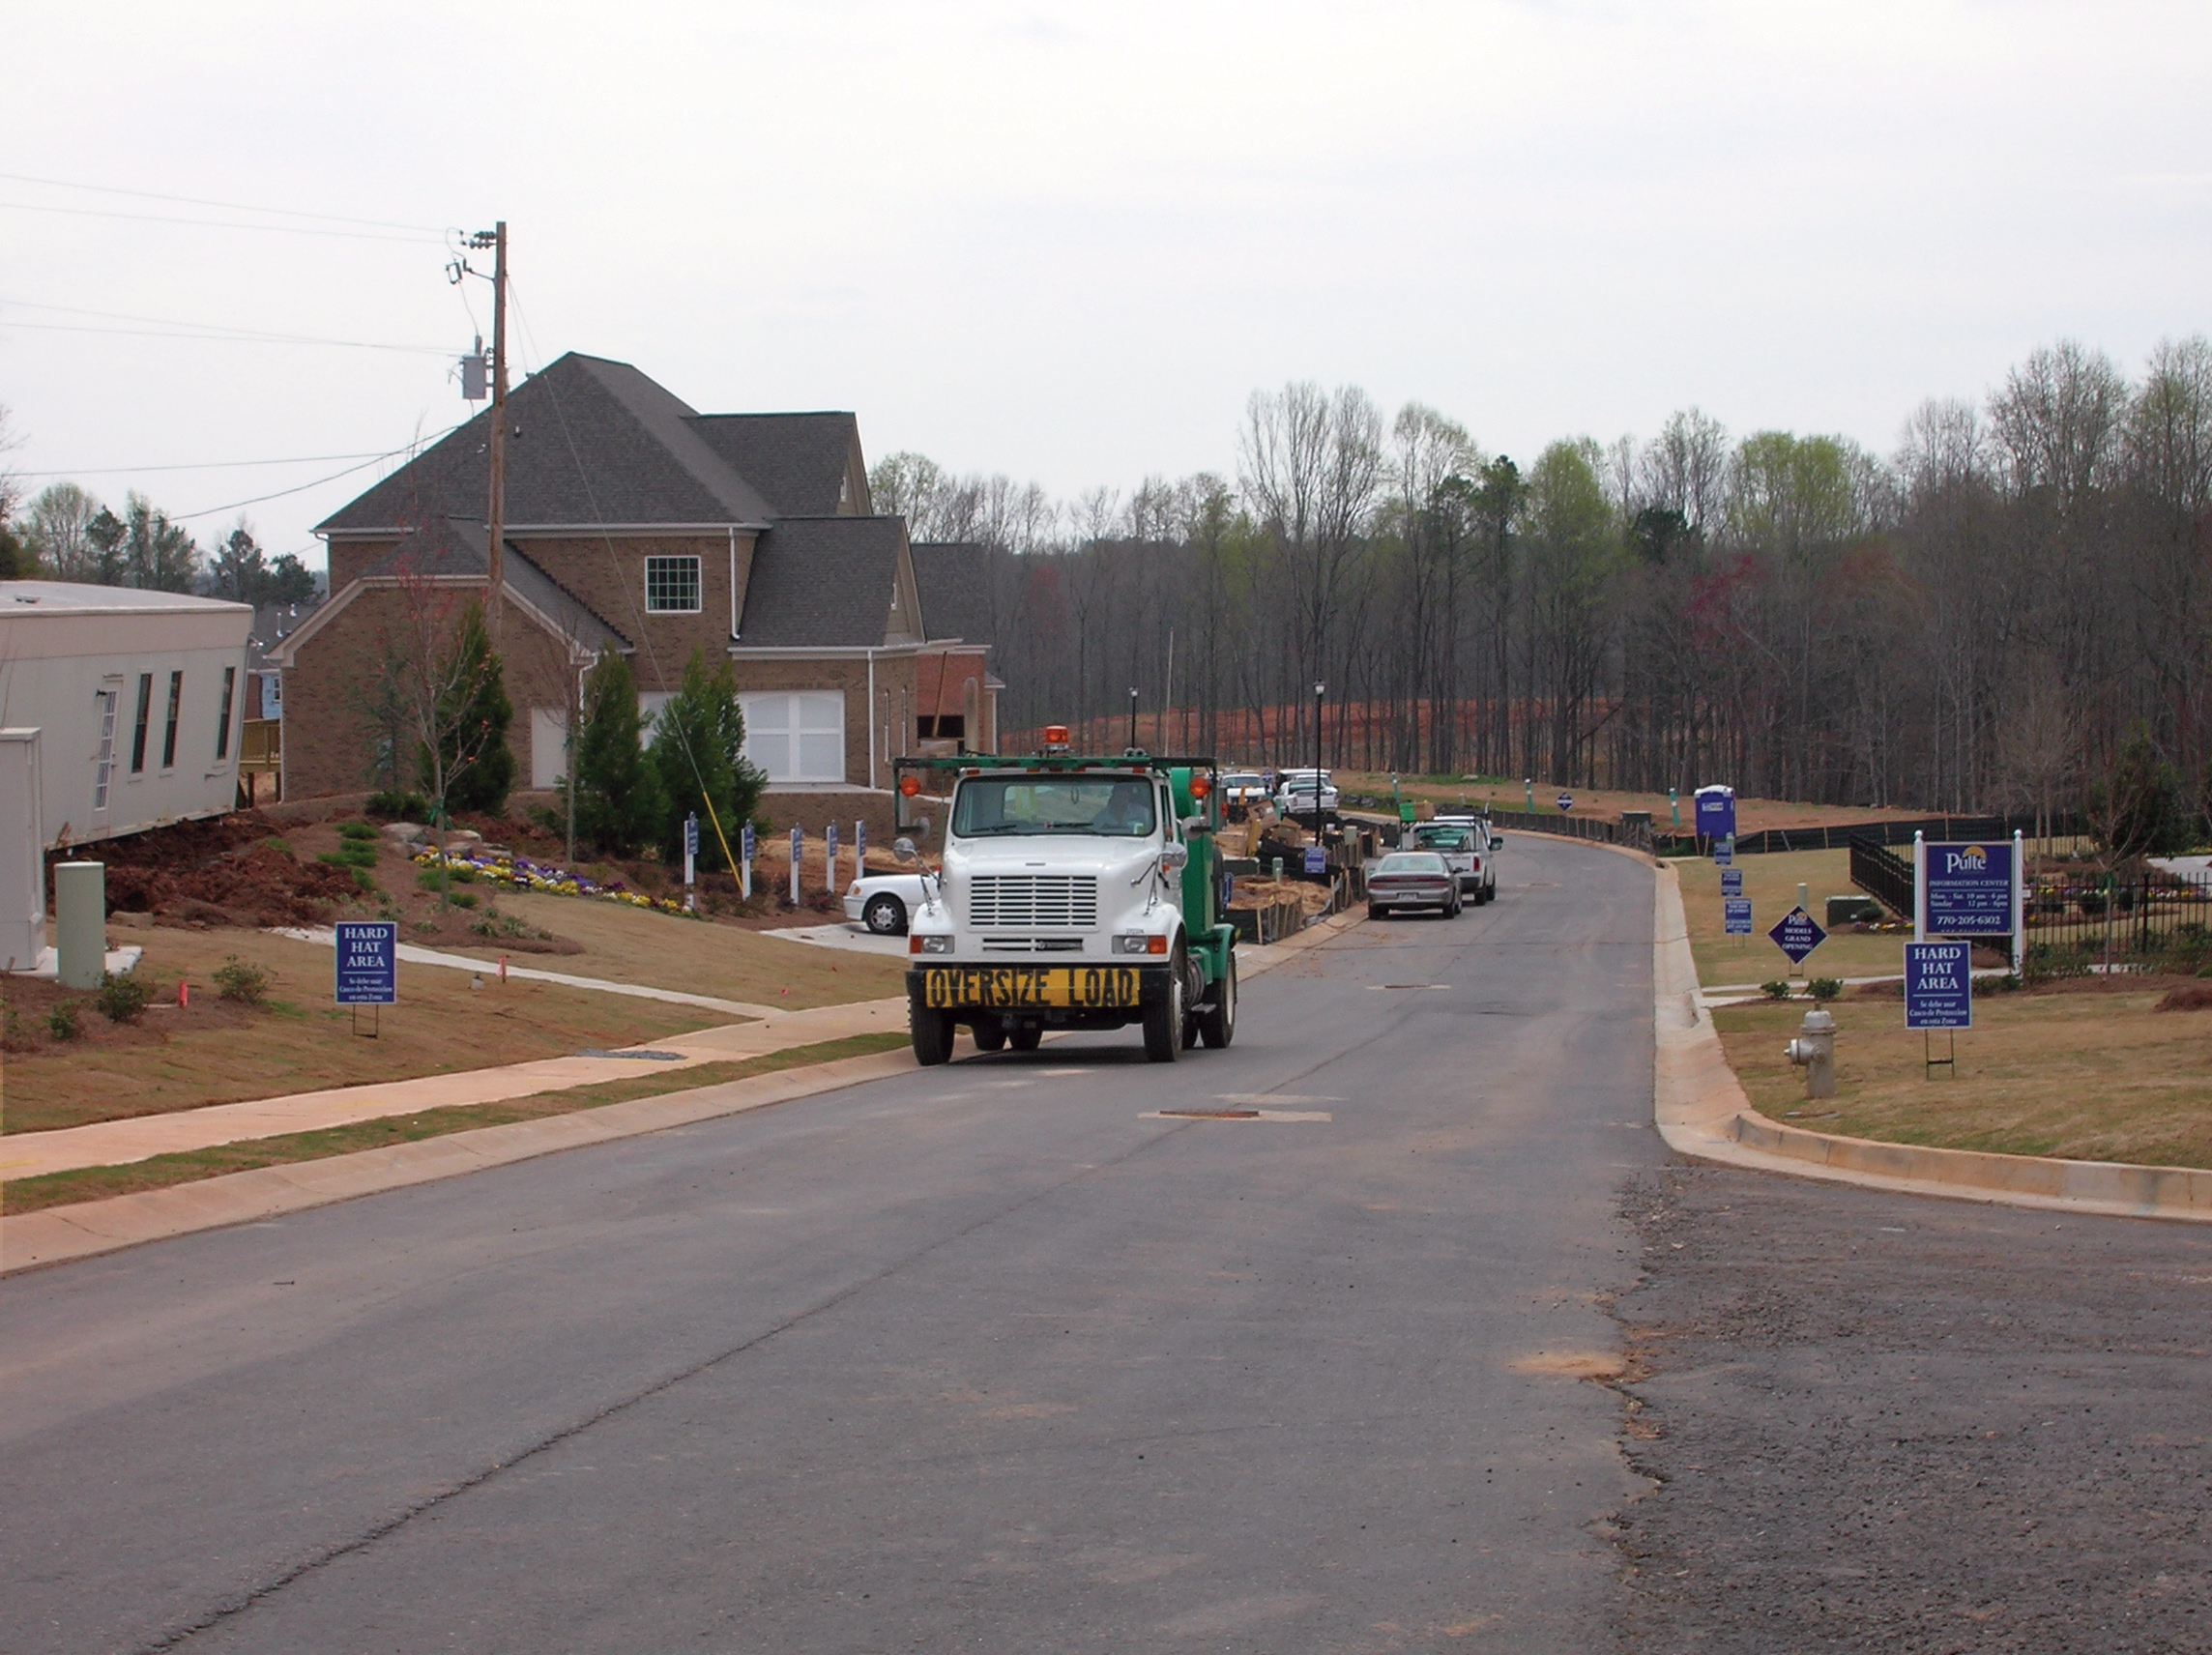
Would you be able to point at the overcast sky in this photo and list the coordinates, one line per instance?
(1065, 242)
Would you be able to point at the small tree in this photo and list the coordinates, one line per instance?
(478, 767)
(2139, 807)
(432, 667)
(698, 751)
(619, 800)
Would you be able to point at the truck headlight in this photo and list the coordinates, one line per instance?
(1138, 943)
(917, 945)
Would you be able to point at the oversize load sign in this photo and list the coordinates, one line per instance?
(367, 961)
(1968, 890)
(1796, 935)
(1735, 916)
(1012, 987)
(1938, 987)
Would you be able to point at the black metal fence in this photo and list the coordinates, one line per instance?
(1637, 835)
(2075, 920)
(1883, 875)
(1952, 828)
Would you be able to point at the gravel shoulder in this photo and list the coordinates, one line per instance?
(1876, 1421)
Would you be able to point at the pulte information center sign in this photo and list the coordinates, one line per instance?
(1967, 889)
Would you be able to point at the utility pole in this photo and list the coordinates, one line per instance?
(496, 513)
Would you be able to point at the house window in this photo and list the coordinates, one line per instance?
(672, 586)
(176, 710)
(103, 764)
(797, 736)
(145, 716)
(223, 719)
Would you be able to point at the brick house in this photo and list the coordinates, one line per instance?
(632, 521)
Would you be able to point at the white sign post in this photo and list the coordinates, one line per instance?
(829, 857)
(691, 860)
(797, 841)
(748, 846)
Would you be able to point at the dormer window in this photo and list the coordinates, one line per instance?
(672, 586)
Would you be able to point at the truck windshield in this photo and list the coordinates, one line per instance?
(1441, 839)
(990, 805)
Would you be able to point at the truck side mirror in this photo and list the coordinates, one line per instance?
(902, 850)
(1175, 857)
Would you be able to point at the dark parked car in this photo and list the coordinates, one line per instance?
(1412, 879)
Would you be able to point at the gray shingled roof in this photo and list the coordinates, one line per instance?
(798, 460)
(954, 579)
(822, 582)
(456, 545)
(590, 441)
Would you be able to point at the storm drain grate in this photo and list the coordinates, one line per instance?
(637, 1052)
(1211, 1114)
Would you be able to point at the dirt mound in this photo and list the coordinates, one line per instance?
(2189, 997)
(225, 872)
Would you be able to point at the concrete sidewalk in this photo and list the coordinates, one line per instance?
(117, 1143)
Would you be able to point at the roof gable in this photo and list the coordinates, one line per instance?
(589, 442)
(955, 580)
(823, 583)
(808, 465)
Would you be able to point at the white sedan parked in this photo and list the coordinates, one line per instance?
(881, 901)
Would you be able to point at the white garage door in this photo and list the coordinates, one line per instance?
(797, 736)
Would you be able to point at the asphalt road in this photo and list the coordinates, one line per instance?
(986, 1357)
(1879, 1422)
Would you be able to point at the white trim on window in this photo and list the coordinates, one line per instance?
(672, 585)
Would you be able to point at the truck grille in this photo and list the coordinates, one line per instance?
(1058, 902)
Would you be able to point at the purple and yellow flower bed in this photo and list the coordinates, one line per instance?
(519, 873)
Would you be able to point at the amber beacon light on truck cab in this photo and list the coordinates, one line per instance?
(1072, 893)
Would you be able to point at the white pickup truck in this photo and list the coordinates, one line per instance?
(1468, 848)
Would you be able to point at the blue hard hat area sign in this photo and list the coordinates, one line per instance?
(1939, 986)
(1735, 916)
(367, 961)
(1732, 882)
(1967, 889)
(1797, 934)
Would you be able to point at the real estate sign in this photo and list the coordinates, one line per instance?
(1735, 916)
(1966, 891)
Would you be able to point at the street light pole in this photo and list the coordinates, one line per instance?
(1319, 690)
(1133, 718)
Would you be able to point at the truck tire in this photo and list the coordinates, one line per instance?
(1217, 1022)
(1025, 1039)
(1164, 1018)
(989, 1037)
(933, 1032)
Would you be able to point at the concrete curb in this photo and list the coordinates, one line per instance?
(54, 1236)
(1701, 1110)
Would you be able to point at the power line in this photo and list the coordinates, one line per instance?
(437, 241)
(226, 339)
(212, 330)
(281, 493)
(209, 465)
(227, 206)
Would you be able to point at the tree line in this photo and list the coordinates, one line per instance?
(1982, 620)
(65, 532)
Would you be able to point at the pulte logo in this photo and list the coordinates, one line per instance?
(1974, 860)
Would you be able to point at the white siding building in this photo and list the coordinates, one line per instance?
(137, 698)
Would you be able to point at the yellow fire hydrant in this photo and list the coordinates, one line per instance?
(1814, 1052)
